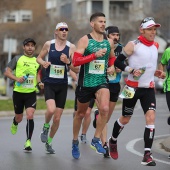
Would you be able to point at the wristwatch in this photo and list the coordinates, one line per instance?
(69, 64)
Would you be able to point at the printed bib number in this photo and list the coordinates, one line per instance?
(127, 92)
(57, 71)
(29, 82)
(97, 67)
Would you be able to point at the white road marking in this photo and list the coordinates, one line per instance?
(130, 148)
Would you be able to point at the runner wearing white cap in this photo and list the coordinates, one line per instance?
(142, 57)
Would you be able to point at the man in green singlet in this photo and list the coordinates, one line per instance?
(94, 54)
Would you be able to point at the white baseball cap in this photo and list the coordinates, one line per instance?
(61, 24)
(149, 22)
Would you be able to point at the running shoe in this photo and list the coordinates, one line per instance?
(75, 151)
(44, 134)
(83, 138)
(97, 146)
(106, 155)
(148, 160)
(96, 113)
(113, 150)
(14, 129)
(27, 146)
(49, 148)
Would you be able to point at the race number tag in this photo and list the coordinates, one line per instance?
(97, 67)
(29, 82)
(57, 71)
(127, 92)
(112, 77)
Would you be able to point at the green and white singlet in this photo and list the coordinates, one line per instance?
(95, 73)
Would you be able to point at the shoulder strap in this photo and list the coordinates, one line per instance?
(89, 36)
(104, 36)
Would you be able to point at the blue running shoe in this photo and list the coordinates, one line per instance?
(75, 151)
(97, 146)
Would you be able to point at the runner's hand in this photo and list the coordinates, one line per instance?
(100, 53)
(46, 64)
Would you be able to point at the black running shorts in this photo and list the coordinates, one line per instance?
(21, 100)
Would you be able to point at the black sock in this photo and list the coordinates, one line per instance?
(116, 131)
(14, 121)
(29, 128)
(148, 137)
(105, 144)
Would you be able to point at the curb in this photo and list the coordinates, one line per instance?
(42, 112)
(166, 144)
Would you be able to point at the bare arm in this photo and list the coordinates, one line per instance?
(160, 72)
(40, 84)
(161, 67)
(79, 59)
(129, 48)
(73, 75)
(126, 52)
(8, 73)
(111, 69)
(42, 55)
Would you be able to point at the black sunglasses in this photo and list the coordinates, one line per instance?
(63, 29)
(148, 19)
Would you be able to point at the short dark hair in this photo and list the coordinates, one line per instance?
(95, 15)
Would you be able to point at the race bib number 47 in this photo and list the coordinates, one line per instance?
(97, 67)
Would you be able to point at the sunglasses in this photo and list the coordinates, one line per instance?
(63, 29)
(148, 19)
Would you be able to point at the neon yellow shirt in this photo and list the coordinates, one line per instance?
(23, 65)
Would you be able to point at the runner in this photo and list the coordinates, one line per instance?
(93, 53)
(59, 51)
(112, 32)
(25, 76)
(142, 57)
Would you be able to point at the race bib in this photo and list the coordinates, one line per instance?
(97, 67)
(127, 92)
(29, 82)
(57, 71)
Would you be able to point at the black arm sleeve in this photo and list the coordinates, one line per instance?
(118, 62)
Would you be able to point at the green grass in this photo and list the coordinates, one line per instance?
(7, 105)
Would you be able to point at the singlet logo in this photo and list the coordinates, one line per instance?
(26, 64)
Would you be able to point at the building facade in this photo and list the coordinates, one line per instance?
(118, 12)
(16, 25)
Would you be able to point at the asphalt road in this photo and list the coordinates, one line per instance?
(130, 145)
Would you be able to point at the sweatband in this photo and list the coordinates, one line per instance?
(79, 59)
(111, 61)
(118, 62)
